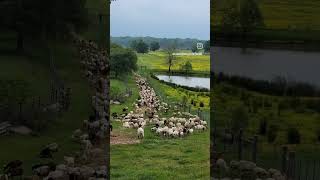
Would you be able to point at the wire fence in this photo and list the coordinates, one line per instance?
(295, 165)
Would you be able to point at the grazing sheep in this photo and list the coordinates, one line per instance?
(153, 129)
(69, 161)
(190, 131)
(140, 132)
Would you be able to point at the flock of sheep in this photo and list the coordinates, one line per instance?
(146, 112)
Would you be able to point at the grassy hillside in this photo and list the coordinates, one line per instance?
(303, 119)
(33, 67)
(281, 14)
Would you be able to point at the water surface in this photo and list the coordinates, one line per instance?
(189, 81)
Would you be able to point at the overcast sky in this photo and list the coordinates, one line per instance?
(161, 18)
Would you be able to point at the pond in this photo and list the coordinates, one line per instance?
(189, 81)
(266, 64)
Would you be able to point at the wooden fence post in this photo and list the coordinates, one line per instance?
(240, 145)
(291, 165)
(254, 150)
(284, 159)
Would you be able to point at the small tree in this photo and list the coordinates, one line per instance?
(250, 16)
(187, 67)
(194, 48)
(154, 46)
(170, 56)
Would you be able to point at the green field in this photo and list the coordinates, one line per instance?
(155, 157)
(33, 67)
(157, 61)
(27, 148)
(282, 14)
(306, 121)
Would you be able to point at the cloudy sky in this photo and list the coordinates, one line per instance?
(161, 18)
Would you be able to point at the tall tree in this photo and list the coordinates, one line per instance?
(122, 60)
(170, 50)
(140, 46)
(250, 16)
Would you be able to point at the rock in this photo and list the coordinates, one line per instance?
(42, 171)
(56, 175)
(62, 167)
(276, 174)
(69, 161)
(116, 103)
(246, 165)
(260, 172)
(86, 172)
(22, 130)
(222, 166)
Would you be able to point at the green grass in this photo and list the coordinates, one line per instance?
(155, 157)
(306, 122)
(122, 86)
(157, 61)
(27, 148)
(282, 14)
(158, 158)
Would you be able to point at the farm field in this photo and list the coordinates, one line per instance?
(157, 61)
(282, 14)
(155, 157)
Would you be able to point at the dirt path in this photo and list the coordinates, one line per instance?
(118, 138)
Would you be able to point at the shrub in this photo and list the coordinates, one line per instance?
(201, 104)
(272, 133)
(293, 136)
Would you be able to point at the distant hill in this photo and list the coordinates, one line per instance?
(164, 42)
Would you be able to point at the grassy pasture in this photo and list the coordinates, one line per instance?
(282, 14)
(269, 153)
(157, 61)
(33, 67)
(156, 157)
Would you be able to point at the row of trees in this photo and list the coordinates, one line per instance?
(142, 47)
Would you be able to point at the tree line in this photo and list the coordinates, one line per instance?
(279, 86)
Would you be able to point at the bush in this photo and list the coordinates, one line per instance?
(293, 136)
(272, 133)
(201, 104)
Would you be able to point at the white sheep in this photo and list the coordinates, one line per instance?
(140, 133)
(190, 131)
